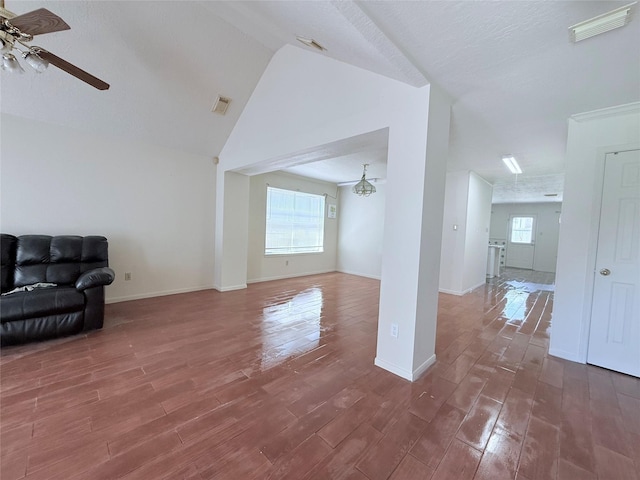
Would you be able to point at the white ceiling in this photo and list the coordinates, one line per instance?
(166, 63)
(337, 162)
(509, 67)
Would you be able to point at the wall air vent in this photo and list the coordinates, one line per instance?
(221, 105)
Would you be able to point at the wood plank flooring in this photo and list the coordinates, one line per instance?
(277, 382)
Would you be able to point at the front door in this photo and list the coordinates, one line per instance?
(521, 241)
(614, 335)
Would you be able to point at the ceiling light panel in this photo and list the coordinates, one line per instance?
(602, 23)
(512, 164)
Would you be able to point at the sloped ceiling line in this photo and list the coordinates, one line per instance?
(356, 14)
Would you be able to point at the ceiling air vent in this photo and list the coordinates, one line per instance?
(310, 42)
(221, 105)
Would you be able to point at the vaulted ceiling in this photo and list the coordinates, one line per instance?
(512, 73)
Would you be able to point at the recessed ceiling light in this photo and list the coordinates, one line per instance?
(310, 42)
(512, 164)
(602, 23)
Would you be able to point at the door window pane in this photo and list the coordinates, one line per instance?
(522, 230)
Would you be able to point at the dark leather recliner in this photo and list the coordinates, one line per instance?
(79, 268)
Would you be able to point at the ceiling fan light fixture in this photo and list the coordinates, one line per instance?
(512, 164)
(602, 23)
(7, 41)
(363, 187)
(10, 63)
(35, 61)
(5, 46)
(16, 31)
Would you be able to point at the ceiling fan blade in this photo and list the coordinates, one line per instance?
(38, 22)
(73, 70)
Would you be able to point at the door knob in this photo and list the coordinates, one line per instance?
(605, 272)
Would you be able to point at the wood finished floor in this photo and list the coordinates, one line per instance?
(277, 381)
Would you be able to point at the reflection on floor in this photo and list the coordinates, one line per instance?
(277, 381)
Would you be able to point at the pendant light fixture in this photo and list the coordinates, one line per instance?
(363, 187)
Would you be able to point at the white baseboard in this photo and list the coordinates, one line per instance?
(358, 274)
(390, 367)
(292, 275)
(481, 284)
(406, 374)
(460, 293)
(231, 288)
(450, 292)
(140, 296)
(571, 356)
(417, 373)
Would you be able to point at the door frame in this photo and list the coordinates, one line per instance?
(593, 243)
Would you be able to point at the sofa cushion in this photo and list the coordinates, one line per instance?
(65, 257)
(32, 259)
(8, 260)
(51, 326)
(40, 303)
(60, 259)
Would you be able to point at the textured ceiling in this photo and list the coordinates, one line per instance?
(166, 63)
(336, 162)
(513, 75)
(543, 188)
(509, 67)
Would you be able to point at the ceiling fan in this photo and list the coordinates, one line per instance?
(17, 30)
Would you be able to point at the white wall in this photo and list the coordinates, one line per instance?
(261, 267)
(154, 205)
(304, 101)
(591, 136)
(233, 265)
(361, 227)
(477, 232)
(431, 184)
(465, 233)
(452, 250)
(547, 229)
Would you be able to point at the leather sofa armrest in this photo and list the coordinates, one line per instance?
(95, 278)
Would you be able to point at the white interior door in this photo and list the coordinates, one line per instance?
(521, 241)
(614, 335)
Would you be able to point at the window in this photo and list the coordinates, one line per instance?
(522, 230)
(295, 222)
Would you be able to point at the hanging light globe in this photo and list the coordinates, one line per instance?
(364, 188)
(10, 63)
(35, 61)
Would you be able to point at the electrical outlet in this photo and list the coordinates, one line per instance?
(127, 276)
(394, 330)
